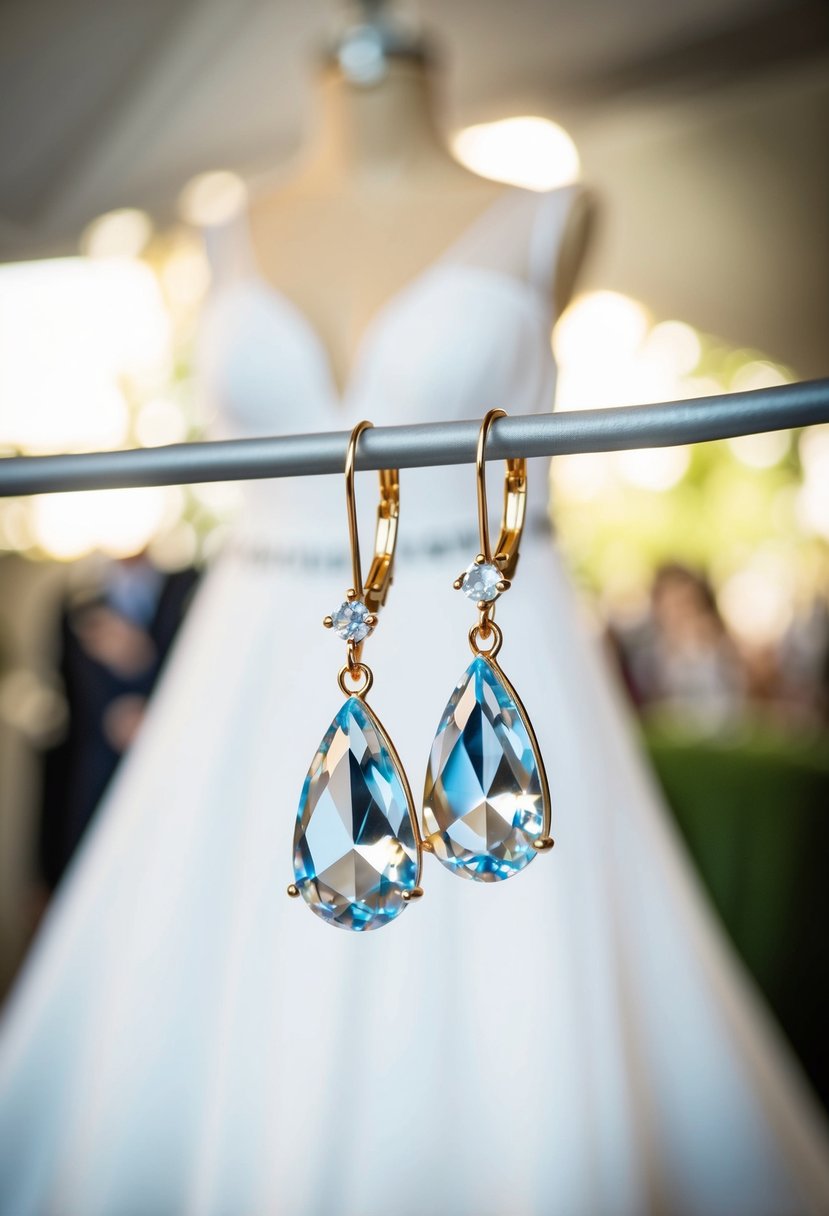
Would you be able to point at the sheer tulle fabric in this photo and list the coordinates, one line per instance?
(579, 1040)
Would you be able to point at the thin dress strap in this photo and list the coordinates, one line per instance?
(229, 249)
(546, 234)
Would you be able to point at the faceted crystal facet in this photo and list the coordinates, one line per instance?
(349, 621)
(481, 582)
(354, 847)
(483, 805)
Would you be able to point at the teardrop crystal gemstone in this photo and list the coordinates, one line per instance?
(483, 805)
(354, 844)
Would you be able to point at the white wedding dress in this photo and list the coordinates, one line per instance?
(577, 1041)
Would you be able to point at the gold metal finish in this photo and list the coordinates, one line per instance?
(483, 630)
(506, 552)
(374, 590)
(293, 891)
(415, 893)
(360, 675)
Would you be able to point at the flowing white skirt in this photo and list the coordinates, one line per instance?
(579, 1040)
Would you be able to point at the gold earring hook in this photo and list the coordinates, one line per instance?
(375, 589)
(515, 504)
(351, 506)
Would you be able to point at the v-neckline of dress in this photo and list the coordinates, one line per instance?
(341, 393)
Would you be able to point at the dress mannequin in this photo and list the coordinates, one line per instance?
(376, 196)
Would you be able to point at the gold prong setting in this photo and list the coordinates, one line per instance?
(352, 621)
(483, 581)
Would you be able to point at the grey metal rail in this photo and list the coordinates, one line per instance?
(604, 430)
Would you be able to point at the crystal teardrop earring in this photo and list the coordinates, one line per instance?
(486, 804)
(357, 846)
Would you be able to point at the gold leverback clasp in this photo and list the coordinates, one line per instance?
(357, 615)
(374, 591)
(492, 572)
(507, 549)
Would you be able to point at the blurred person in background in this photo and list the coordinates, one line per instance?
(114, 637)
(804, 663)
(683, 661)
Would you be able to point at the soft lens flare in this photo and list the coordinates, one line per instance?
(117, 522)
(757, 603)
(601, 321)
(675, 344)
(212, 198)
(526, 151)
(656, 469)
(70, 331)
(761, 451)
(117, 234)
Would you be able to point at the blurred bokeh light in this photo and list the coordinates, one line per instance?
(524, 151)
(212, 198)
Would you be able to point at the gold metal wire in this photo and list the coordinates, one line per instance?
(515, 504)
(374, 591)
(484, 630)
(358, 672)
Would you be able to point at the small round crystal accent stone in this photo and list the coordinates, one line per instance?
(349, 621)
(481, 582)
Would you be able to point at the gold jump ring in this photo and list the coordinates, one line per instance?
(477, 632)
(358, 670)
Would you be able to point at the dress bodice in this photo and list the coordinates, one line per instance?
(468, 333)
